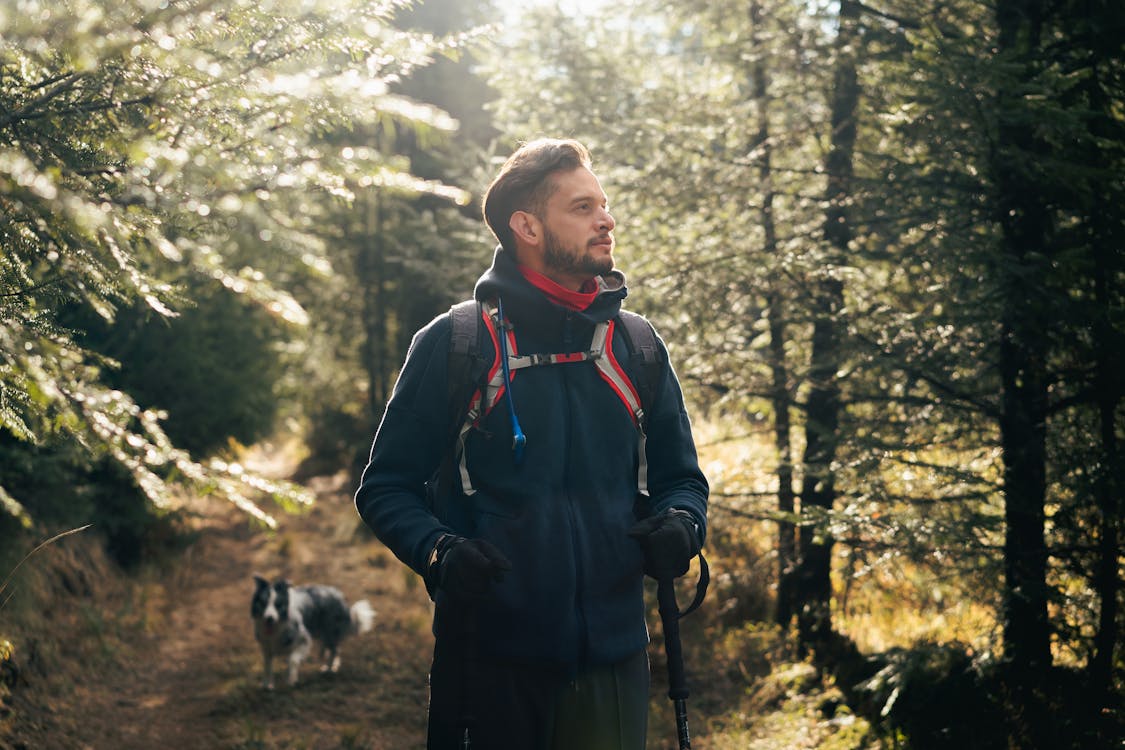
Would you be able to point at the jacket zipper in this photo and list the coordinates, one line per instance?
(580, 614)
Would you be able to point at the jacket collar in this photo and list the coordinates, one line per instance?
(530, 309)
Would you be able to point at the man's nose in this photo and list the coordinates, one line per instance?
(606, 220)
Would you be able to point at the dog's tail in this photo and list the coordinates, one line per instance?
(363, 616)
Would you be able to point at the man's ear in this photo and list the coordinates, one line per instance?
(526, 227)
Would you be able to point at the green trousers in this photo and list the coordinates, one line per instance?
(517, 707)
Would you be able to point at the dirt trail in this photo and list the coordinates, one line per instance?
(168, 660)
(192, 678)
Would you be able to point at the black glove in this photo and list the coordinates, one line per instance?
(669, 540)
(465, 568)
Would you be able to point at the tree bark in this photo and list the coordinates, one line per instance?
(1105, 238)
(823, 407)
(371, 277)
(786, 496)
(1024, 260)
(1023, 362)
(780, 399)
(1108, 485)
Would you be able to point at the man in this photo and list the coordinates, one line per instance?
(536, 552)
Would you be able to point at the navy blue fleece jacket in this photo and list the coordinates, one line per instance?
(574, 595)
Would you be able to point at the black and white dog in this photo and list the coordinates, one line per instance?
(287, 619)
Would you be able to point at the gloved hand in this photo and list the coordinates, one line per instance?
(669, 541)
(466, 568)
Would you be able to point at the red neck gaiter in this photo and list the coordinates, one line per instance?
(559, 294)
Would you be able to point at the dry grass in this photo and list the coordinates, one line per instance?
(885, 602)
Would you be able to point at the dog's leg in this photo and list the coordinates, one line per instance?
(331, 659)
(267, 669)
(296, 657)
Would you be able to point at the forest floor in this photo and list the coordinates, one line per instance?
(167, 659)
(178, 665)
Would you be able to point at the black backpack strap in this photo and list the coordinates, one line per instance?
(463, 336)
(644, 355)
(466, 369)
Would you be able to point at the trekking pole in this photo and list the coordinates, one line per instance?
(468, 670)
(677, 681)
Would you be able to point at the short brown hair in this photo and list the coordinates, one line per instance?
(524, 184)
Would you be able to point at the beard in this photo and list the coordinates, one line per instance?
(573, 261)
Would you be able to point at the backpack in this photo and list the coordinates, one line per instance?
(475, 383)
(471, 376)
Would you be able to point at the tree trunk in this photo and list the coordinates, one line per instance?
(780, 398)
(1023, 445)
(1105, 241)
(814, 584)
(371, 277)
(1023, 364)
(1108, 484)
(813, 587)
(1025, 223)
(786, 530)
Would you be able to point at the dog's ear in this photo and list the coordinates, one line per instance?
(260, 582)
(281, 584)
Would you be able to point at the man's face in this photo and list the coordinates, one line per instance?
(578, 228)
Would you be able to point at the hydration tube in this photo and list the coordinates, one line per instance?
(519, 440)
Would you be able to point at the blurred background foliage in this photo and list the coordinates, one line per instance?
(883, 241)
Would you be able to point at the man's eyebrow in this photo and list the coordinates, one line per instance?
(590, 197)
